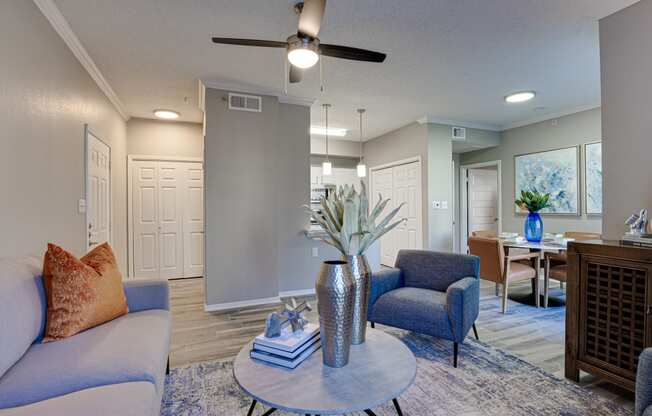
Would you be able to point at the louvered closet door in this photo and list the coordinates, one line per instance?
(171, 201)
(193, 220)
(145, 219)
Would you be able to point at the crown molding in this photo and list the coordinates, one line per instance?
(551, 116)
(469, 125)
(254, 89)
(61, 26)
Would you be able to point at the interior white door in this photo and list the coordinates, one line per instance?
(171, 201)
(98, 191)
(383, 184)
(144, 202)
(483, 200)
(193, 220)
(407, 191)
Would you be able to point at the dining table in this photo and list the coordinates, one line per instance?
(554, 245)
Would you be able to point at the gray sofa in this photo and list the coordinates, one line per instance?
(117, 368)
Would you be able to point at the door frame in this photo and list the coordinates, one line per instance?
(130, 217)
(464, 203)
(400, 162)
(87, 133)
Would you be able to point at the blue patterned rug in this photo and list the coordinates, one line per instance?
(487, 382)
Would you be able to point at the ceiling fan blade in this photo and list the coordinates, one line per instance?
(296, 74)
(346, 52)
(251, 42)
(311, 17)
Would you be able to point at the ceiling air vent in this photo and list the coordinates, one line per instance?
(244, 102)
(458, 133)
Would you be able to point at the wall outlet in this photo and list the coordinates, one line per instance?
(444, 204)
(315, 251)
(436, 204)
(81, 206)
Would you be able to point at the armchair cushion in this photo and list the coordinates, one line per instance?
(414, 309)
(382, 282)
(434, 270)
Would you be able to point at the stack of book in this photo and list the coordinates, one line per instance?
(290, 349)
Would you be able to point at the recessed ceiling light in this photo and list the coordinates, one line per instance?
(332, 131)
(166, 114)
(520, 97)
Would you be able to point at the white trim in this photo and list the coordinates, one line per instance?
(297, 293)
(220, 307)
(454, 123)
(396, 163)
(61, 26)
(463, 221)
(253, 89)
(130, 210)
(550, 116)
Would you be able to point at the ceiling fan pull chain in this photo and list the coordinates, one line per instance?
(285, 74)
(321, 75)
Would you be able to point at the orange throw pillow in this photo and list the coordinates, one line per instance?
(82, 293)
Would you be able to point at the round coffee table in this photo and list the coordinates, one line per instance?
(379, 370)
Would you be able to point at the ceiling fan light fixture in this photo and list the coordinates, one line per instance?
(303, 52)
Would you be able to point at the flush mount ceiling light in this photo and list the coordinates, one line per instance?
(331, 131)
(520, 97)
(166, 114)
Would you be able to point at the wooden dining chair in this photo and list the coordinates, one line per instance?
(556, 266)
(485, 234)
(499, 268)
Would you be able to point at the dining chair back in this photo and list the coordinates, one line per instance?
(492, 257)
(485, 234)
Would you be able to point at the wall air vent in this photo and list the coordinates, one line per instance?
(244, 102)
(458, 133)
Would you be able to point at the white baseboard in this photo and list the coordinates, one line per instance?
(297, 293)
(218, 307)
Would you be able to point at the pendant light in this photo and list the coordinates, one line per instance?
(362, 168)
(327, 166)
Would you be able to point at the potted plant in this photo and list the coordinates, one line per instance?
(352, 229)
(534, 202)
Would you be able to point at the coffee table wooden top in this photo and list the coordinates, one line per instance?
(379, 370)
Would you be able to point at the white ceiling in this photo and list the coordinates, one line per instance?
(450, 59)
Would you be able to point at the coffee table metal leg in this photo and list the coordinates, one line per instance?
(399, 412)
(252, 407)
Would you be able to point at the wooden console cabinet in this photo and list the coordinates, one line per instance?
(608, 306)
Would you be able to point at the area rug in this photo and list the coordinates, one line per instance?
(487, 382)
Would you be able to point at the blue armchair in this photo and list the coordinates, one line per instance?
(644, 384)
(428, 292)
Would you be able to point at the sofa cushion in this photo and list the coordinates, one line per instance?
(22, 308)
(414, 309)
(82, 293)
(133, 347)
(124, 399)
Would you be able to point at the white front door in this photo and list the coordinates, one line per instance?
(483, 200)
(402, 184)
(193, 220)
(98, 191)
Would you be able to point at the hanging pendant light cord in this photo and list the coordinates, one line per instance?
(360, 136)
(326, 108)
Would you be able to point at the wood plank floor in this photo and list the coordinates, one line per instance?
(200, 336)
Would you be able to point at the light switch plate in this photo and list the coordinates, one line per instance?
(81, 206)
(444, 204)
(315, 251)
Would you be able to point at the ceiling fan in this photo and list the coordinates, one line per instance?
(304, 48)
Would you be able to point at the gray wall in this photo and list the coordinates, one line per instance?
(440, 187)
(336, 147)
(46, 98)
(626, 57)
(568, 131)
(164, 138)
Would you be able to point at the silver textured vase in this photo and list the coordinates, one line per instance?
(361, 274)
(335, 305)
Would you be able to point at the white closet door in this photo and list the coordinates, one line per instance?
(98, 191)
(193, 220)
(383, 184)
(145, 219)
(171, 201)
(407, 191)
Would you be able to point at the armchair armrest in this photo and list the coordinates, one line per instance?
(463, 304)
(518, 257)
(644, 382)
(382, 282)
(147, 294)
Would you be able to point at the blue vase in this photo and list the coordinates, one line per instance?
(533, 227)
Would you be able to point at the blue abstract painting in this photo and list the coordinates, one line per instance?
(554, 172)
(593, 175)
